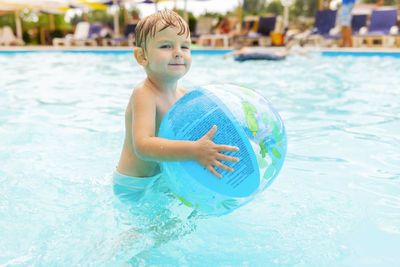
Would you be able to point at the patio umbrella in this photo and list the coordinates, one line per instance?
(18, 5)
(155, 2)
(32, 4)
(48, 6)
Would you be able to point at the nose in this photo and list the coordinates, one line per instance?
(178, 52)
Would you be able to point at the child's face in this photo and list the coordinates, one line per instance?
(168, 53)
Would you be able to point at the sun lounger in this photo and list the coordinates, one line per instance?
(204, 26)
(7, 37)
(128, 38)
(214, 39)
(81, 33)
(379, 30)
(325, 21)
(266, 25)
(94, 32)
(357, 22)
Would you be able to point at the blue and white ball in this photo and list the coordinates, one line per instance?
(245, 119)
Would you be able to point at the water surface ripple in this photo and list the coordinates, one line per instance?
(335, 203)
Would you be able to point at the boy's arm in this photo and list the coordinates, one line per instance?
(149, 147)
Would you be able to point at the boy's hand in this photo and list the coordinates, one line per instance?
(208, 154)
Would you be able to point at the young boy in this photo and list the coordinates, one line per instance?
(163, 49)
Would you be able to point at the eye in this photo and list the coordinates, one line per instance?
(185, 47)
(165, 46)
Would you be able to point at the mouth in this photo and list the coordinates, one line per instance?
(176, 64)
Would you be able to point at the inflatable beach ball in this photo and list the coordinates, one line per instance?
(244, 119)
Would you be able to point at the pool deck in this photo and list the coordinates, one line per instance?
(337, 51)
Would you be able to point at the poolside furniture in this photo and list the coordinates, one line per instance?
(204, 26)
(81, 33)
(357, 22)
(214, 39)
(7, 37)
(128, 38)
(381, 27)
(324, 25)
(265, 26)
(253, 20)
(249, 24)
(94, 32)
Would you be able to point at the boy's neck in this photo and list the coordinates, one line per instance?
(165, 86)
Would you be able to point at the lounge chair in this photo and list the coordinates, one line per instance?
(357, 22)
(266, 25)
(253, 20)
(325, 21)
(379, 30)
(94, 32)
(81, 33)
(214, 38)
(7, 37)
(204, 26)
(128, 38)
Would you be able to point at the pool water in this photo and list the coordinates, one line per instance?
(336, 201)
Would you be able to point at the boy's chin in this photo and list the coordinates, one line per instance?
(177, 74)
(176, 69)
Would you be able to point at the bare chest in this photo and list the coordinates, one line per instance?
(162, 109)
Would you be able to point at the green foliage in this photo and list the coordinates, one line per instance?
(275, 7)
(252, 7)
(60, 22)
(100, 16)
(391, 2)
(212, 15)
(44, 20)
(192, 22)
(386, 2)
(306, 8)
(121, 17)
(31, 19)
(296, 9)
(191, 17)
(8, 19)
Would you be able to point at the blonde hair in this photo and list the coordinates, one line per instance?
(149, 26)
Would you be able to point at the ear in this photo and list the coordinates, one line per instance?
(140, 56)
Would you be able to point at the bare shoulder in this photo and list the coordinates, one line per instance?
(142, 94)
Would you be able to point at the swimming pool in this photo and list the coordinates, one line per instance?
(336, 201)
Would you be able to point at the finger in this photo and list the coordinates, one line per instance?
(223, 166)
(211, 132)
(224, 157)
(223, 148)
(213, 171)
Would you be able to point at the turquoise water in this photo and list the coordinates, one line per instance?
(336, 201)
